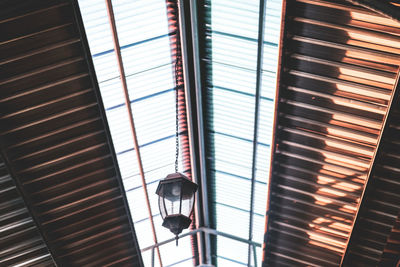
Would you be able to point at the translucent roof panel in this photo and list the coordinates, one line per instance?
(233, 32)
(144, 38)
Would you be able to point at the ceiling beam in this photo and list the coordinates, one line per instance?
(117, 50)
(192, 40)
(193, 89)
(192, 126)
(260, 56)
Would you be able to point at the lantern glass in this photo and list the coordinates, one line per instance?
(187, 206)
(171, 203)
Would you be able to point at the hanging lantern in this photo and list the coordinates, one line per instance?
(176, 201)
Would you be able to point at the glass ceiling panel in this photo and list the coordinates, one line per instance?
(143, 33)
(145, 46)
(233, 34)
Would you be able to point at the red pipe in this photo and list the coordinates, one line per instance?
(117, 50)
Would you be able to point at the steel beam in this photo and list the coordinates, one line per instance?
(204, 230)
(200, 126)
(260, 55)
(191, 129)
(117, 50)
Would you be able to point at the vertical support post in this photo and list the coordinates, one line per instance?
(152, 257)
(255, 255)
(197, 209)
(260, 52)
(200, 127)
(117, 50)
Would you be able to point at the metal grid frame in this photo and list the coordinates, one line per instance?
(259, 88)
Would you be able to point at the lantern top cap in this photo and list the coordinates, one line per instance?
(177, 177)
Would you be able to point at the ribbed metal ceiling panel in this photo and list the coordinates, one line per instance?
(20, 241)
(55, 136)
(375, 227)
(389, 8)
(338, 69)
(391, 253)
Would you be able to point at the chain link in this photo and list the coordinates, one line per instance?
(177, 61)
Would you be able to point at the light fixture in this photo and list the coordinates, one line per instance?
(176, 200)
(176, 192)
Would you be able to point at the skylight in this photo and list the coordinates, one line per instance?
(144, 37)
(233, 33)
(145, 46)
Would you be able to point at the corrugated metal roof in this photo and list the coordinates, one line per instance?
(339, 65)
(391, 253)
(20, 241)
(55, 137)
(388, 8)
(374, 232)
(338, 69)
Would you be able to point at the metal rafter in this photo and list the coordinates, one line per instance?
(117, 50)
(260, 55)
(210, 232)
(205, 230)
(191, 129)
(200, 125)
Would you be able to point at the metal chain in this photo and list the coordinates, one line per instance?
(177, 61)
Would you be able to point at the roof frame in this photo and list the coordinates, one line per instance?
(260, 57)
(188, 21)
(117, 50)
